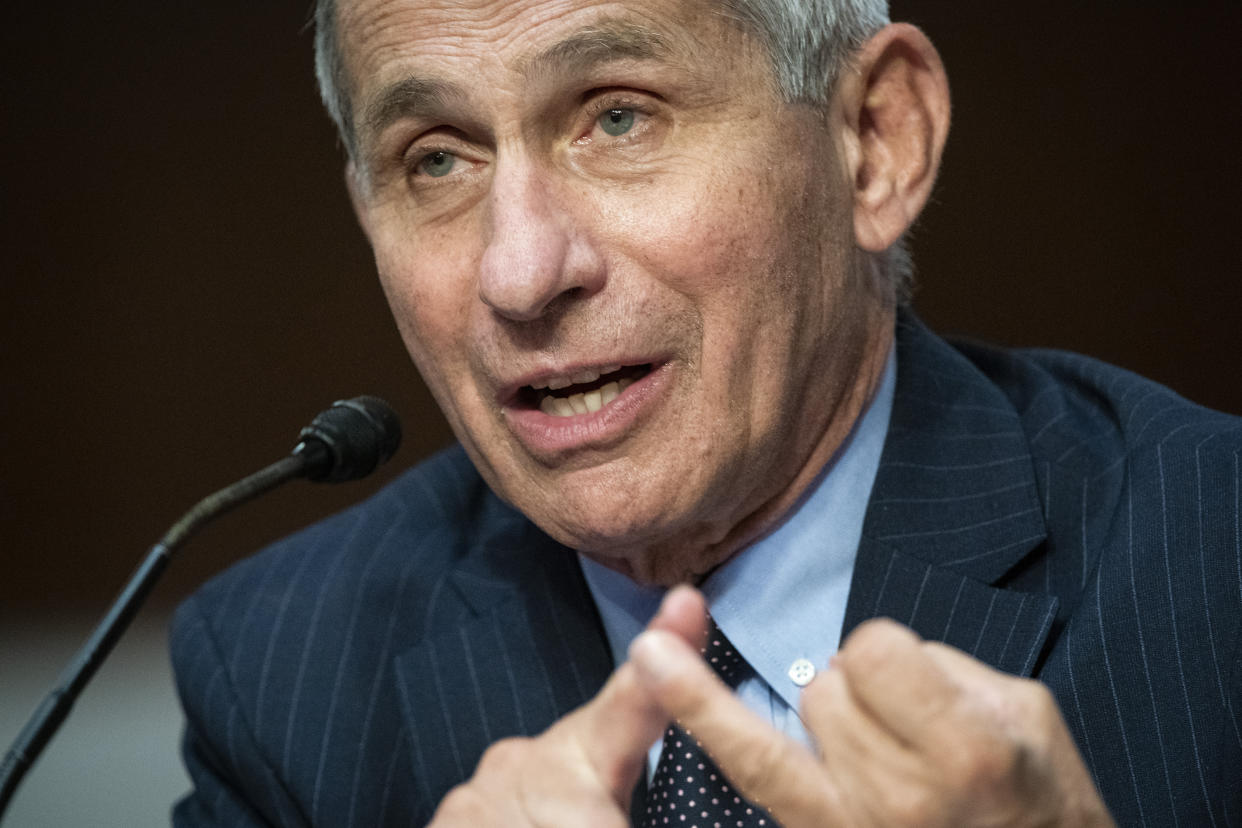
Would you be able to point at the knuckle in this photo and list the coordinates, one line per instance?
(989, 766)
(823, 693)
(1039, 700)
(874, 643)
(689, 700)
(759, 768)
(460, 804)
(505, 754)
(1040, 716)
(913, 806)
(995, 769)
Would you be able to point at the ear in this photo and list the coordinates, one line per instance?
(357, 189)
(895, 101)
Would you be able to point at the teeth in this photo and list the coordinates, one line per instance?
(586, 375)
(587, 403)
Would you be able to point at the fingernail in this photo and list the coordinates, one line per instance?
(654, 656)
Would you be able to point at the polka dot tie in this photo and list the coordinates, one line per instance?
(688, 790)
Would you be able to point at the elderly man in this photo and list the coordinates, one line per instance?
(647, 257)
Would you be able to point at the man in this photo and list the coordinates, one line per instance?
(647, 257)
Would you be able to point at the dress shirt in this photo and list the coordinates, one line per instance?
(781, 600)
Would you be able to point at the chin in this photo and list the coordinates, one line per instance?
(606, 534)
(641, 546)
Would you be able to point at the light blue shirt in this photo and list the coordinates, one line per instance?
(781, 601)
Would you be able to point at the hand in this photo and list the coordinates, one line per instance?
(582, 770)
(909, 732)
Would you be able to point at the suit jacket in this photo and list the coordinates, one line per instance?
(1050, 515)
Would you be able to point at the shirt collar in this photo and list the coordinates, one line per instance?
(782, 598)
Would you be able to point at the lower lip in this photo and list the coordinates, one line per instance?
(546, 436)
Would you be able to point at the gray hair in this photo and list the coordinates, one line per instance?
(809, 42)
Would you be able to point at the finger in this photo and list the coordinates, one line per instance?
(894, 677)
(684, 612)
(615, 729)
(770, 769)
(865, 761)
(1000, 705)
(847, 736)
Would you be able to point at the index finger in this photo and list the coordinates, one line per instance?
(616, 728)
(907, 689)
(769, 768)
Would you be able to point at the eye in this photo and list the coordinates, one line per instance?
(437, 164)
(616, 121)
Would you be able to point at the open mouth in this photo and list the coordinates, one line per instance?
(584, 392)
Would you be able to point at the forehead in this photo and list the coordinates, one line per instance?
(383, 41)
(375, 31)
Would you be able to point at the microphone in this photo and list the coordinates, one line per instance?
(347, 441)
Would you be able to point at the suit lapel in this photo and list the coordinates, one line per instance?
(954, 508)
(520, 647)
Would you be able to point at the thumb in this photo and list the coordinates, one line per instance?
(615, 730)
(684, 613)
(769, 768)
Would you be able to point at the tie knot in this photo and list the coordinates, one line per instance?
(722, 656)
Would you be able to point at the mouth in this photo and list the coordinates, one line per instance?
(585, 391)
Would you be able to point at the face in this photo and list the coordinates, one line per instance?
(624, 267)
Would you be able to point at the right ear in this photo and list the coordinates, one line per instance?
(357, 197)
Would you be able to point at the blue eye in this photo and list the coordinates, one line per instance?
(616, 121)
(437, 164)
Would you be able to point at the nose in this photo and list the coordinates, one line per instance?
(538, 248)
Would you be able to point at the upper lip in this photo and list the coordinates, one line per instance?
(564, 374)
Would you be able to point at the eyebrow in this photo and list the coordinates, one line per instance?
(595, 45)
(408, 95)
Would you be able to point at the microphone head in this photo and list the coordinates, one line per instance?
(349, 440)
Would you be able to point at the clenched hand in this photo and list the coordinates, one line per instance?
(909, 732)
(583, 769)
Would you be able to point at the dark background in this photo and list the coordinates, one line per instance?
(183, 285)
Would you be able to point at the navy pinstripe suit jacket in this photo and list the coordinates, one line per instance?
(1048, 514)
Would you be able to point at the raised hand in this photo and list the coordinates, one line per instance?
(582, 770)
(909, 732)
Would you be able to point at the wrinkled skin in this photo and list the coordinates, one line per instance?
(551, 186)
(714, 239)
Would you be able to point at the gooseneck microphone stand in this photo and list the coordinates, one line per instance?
(345, 442)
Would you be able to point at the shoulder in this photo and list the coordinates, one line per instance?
(283, 662)
(1141, 496)
(344, 577)
(420, 516)
(1079, 412)
(1123, 460)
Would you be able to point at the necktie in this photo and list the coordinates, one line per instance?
(688, 790)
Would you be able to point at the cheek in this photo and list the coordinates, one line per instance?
(698, 237)
(430, 307)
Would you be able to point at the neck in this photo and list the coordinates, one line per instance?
(681, 561)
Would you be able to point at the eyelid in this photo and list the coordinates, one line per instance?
(645, 105)
(602, 100)
(428, 143)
